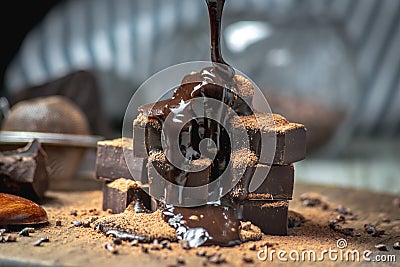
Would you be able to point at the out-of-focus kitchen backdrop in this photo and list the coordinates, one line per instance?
(331, 65)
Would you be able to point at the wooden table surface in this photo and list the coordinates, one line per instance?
(72, 246)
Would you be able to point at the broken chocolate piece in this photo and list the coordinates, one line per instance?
(111, 164)
(121, 193)
(290, 137)
(24, 171)
(271, 216)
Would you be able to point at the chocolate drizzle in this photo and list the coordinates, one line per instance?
(205, 225)
(210, 224)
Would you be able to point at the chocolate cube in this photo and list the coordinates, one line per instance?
(161, 170)
(276, 181)
(271, 216)
(277, 184)
(146, 135)
(120, 193)
(111, 164)
(290, 137)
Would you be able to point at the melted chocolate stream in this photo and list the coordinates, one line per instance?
(209, 224)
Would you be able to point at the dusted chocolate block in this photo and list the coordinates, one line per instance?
(290, 137)
(271, 216)
(278, 184)
(245, 91)
(277, 180)
(243, 166)
(146, 135)
(158, 166)
(24, 172)
(119, 194)
(111, 164)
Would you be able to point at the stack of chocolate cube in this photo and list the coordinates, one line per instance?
(120, 189)
(266, 207)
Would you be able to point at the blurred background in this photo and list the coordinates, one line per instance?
(331, 65)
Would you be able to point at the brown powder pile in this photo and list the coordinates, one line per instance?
(152, 226)
(143, 121)
(118, 142)
(157, 156)
(148, 225)
(123, 184)
(244, 86)
(275, 204)
(243, 158)
(202, 162)
(265, 123)
(249, 232)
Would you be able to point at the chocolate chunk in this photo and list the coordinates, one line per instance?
(147, 135)
(290, 137)
(277, 185)
(295, 219)
(381, 247)
(111, 164)
(121, 193)
(271, 216)
(24, 171)
(160, 167)
(277, 180)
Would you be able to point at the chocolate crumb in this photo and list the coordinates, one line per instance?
(381, 247)
(11, 238)
(86, 224)
(180, 260)
(348, 231)
(340, 218)
(312, 199)
(352, 217)
(201, 253)
(378, 233)
(396, 245)
(184, 244)
(369, 228)
(58, 222)
(26, 231)
(73, 213)
(117, 241)
(325, 206)
(77, 223)
(247, 259)
(156, 245)
(144, 249)
(252, 247)
(295, 219)
(39, 242)
(345, 211)
(165, 244)
(110, 247)
(217, 258)
(385, 220)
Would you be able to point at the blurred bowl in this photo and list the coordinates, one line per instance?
(59, 125)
